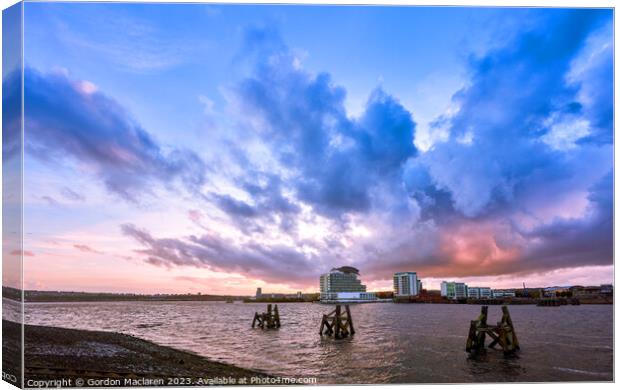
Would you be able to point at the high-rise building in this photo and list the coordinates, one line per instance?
(259, 292)
(343, 279)
(453, 290)
(406, 284)
(342, 285)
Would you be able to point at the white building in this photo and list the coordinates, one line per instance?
(503, 293)
(345, 297)
(479, 292)
(342, 285)
(406, 284)
(453, 290)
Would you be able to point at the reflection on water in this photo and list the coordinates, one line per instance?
(393, 344)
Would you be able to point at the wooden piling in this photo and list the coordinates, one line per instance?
(267, 320)
(350, 319)
(508, 321)
(503, 333)
(276, 316)
(337, 323)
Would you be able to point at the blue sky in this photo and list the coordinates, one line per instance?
(186, 51)
(227, 147)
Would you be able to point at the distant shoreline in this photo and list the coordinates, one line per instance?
(31, 296)
(52, 353)
(582, 301)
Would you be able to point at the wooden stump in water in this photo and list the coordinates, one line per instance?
(337, 324)
(268, 320)
(503, 333)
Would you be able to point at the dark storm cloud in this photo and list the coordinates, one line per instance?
(337, 161)
(69, 119)
(267, 203)
(517, 94)
(496, 246)
(504, 162)
(575, 242)
(530, 133)
(516, 147)
(270, 263)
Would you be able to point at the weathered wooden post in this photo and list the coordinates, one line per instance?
(482, 323)
(276, 317)
(337, 324)
(475, 340)
(257, 318)
(507, 322)
(323, 322)
(350, 319)
(503, 334)
(269, 320)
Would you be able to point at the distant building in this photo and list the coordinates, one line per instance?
(479, 292)
(342, 285)
(453, 290)
(607, 289)
(406, 284)
(261, 295)
(555, 291)
(592, 291)
(345, 297)
(504, 293)
(343, 279)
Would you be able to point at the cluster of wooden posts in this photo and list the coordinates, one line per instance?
(339, 324)
(502, 334)
(268, 320)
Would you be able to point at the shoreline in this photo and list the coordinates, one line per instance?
(582, 301)
(93, 357)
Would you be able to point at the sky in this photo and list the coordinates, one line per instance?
(199, 148)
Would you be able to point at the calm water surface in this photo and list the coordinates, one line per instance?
(393, 344)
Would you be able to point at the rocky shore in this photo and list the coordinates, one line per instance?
(106, 359)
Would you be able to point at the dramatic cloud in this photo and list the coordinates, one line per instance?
(268, 204)
(69, 119)
(335, 163)
(519, 182)
(264, 262)
(517, 96)
(520, 185)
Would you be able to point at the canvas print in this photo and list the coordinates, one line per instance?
(248, 194)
